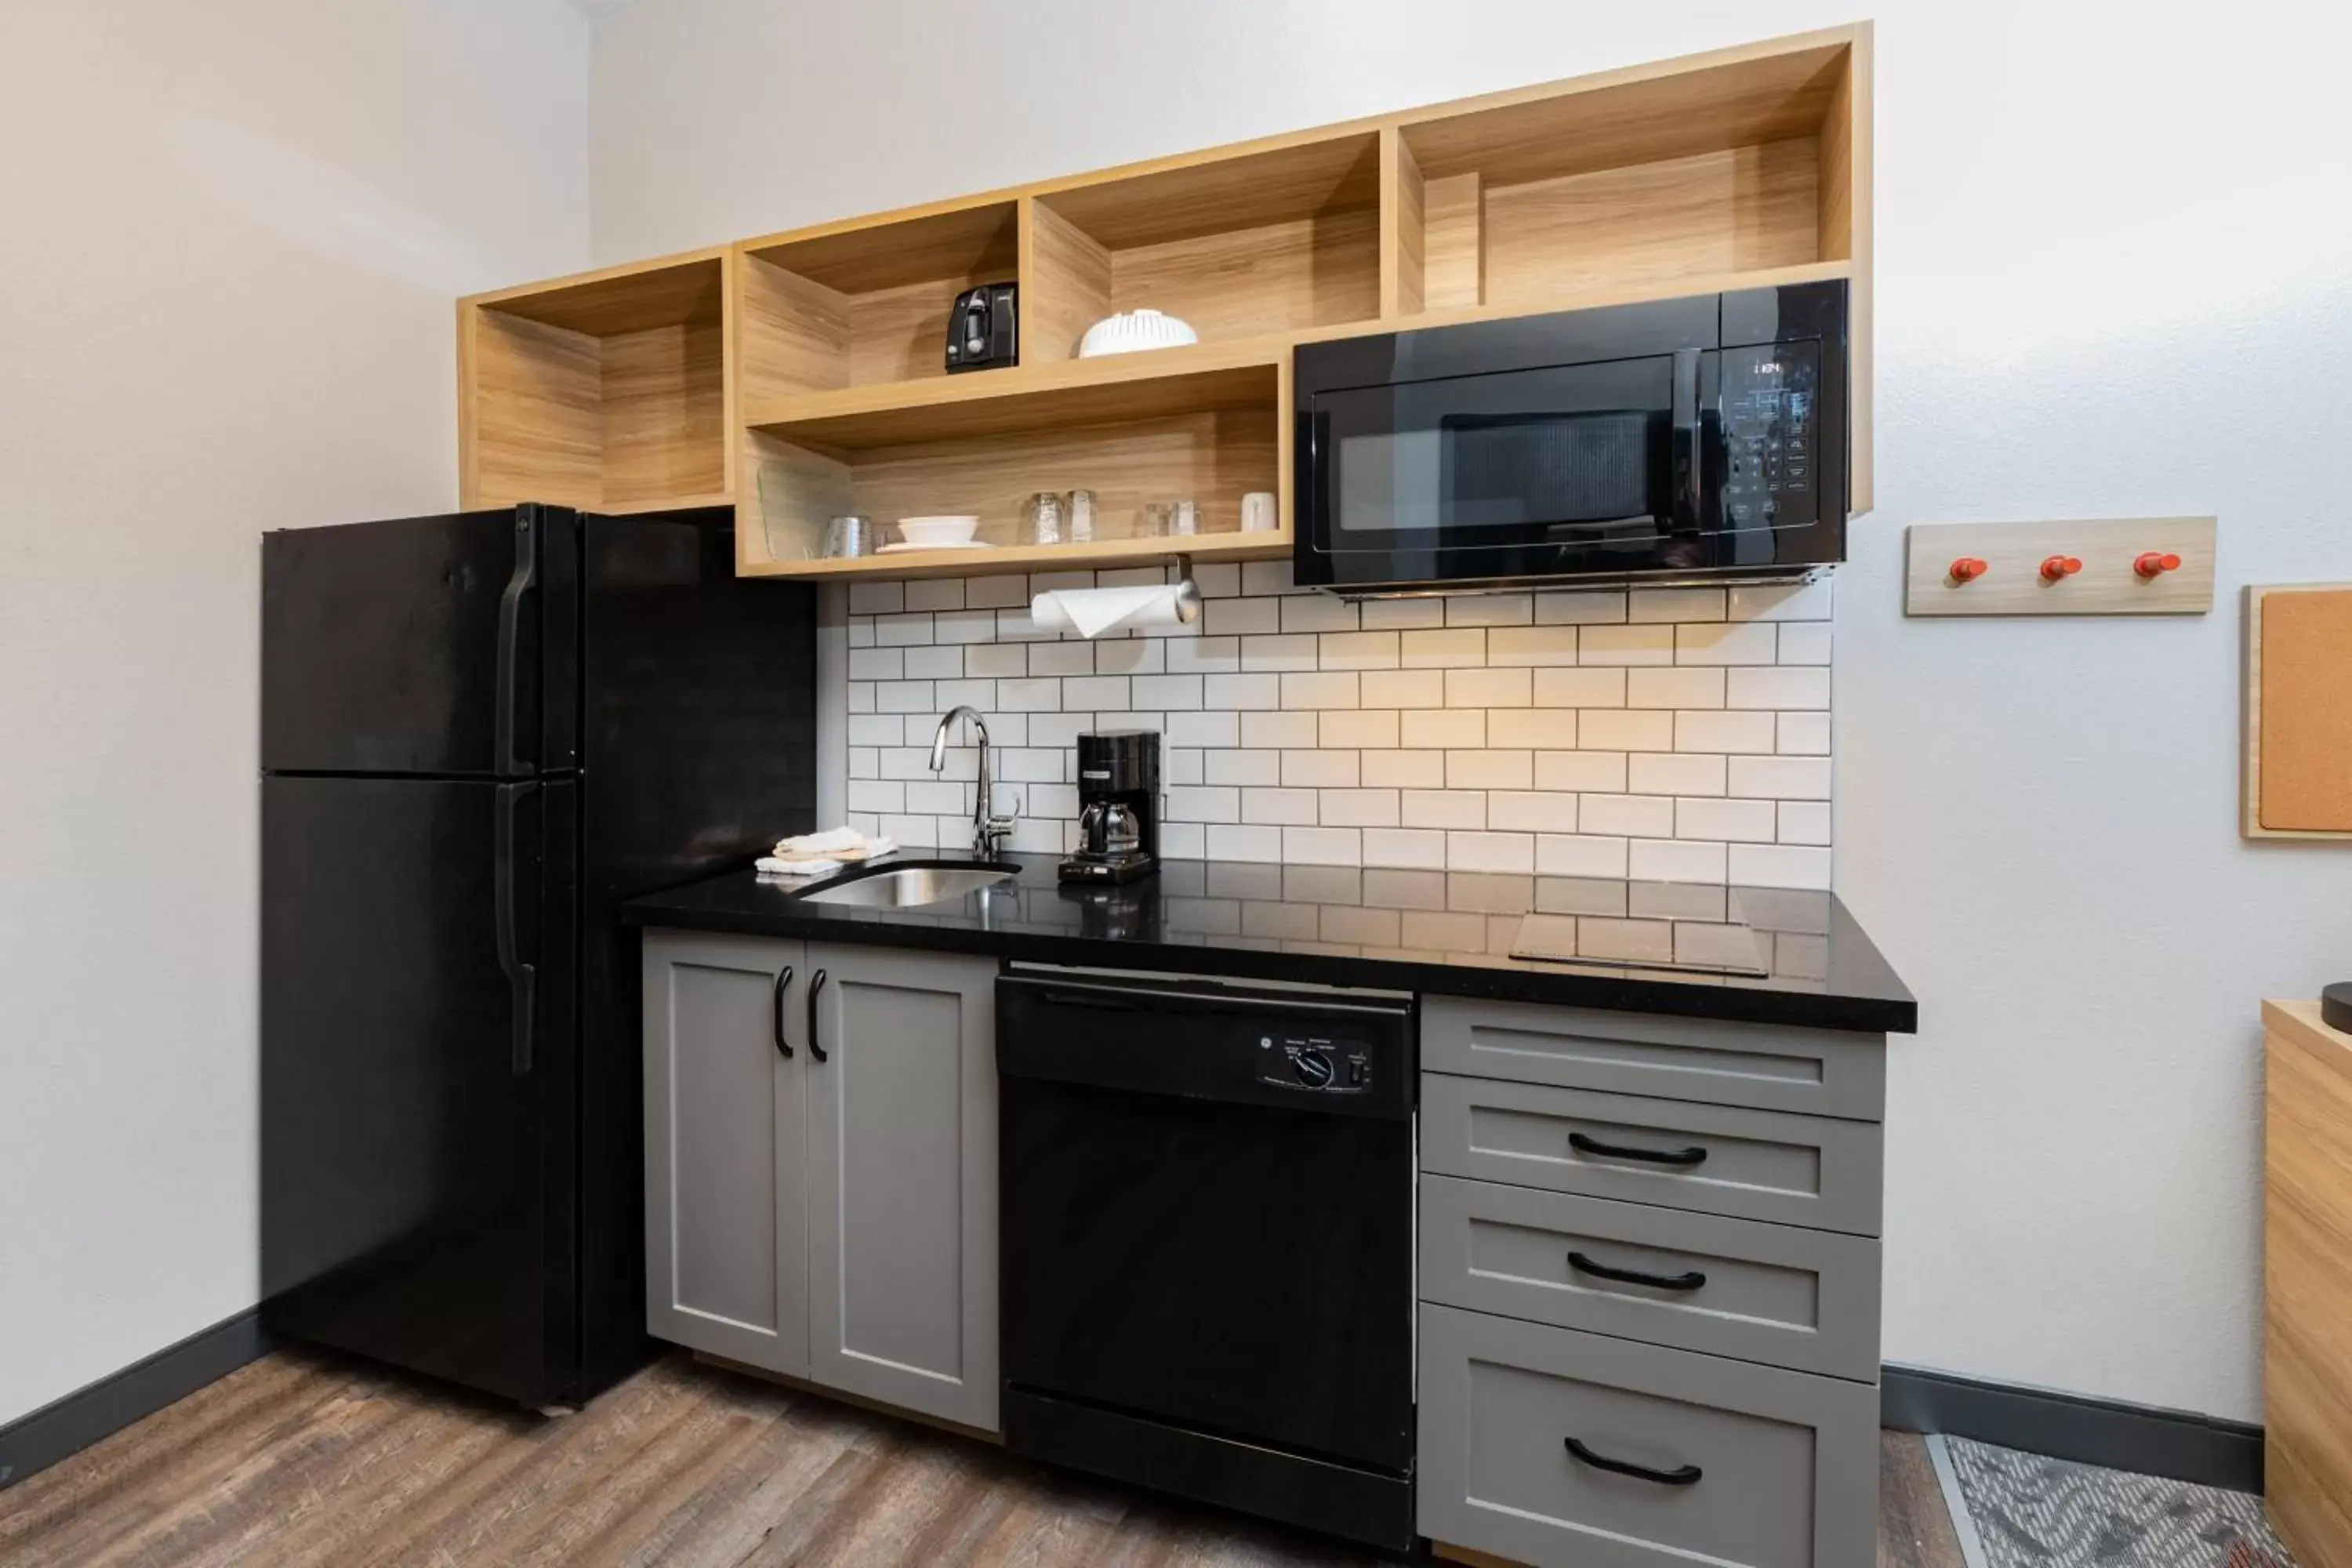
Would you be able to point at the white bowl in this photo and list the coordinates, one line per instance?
(1133, 329)
(937, 532)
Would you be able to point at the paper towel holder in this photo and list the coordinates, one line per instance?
(1188, 592)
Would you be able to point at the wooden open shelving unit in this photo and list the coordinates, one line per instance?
(800, 375)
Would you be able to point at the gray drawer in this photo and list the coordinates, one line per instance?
(1751, 1164)
(1787, 1463)
(1816, 1072)
(1772, 1293)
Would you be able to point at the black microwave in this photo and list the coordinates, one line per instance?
(1697, 436)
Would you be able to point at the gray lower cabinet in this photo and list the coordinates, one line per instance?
(1554, 1448)
(831, 1213)
(902, 1180)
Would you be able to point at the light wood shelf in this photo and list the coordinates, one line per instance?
(1224, 545)
(607, 390)
(820, 367)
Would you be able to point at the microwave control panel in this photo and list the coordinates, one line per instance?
(1771, 476)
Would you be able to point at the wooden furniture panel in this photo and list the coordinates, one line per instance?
(1776, 1469)
(1813, 1072)
(2307, 1283)
(2297, 773)
(1779, 1294)
(1751, 1164)
(608, 391)
(2107, 584)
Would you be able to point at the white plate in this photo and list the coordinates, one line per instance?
(904, 549)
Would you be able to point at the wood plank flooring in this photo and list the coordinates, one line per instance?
(306, 1458)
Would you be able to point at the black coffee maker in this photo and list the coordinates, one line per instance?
(1119, 808)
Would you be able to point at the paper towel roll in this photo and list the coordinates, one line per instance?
(1091, 612)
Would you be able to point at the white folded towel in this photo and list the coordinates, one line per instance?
(812, 854)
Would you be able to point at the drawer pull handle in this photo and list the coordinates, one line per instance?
(1691, 1156)
(1583, 1265)
(1681, 1476)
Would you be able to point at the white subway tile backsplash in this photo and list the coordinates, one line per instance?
(1723, 729)
(1401, 614)
(1333, 688)
(1560, 854)
(1490, 770)
(1442, 728)
(1680, 687)
(1674, 772)
(1490, 610)
(1404, 770)
(1780, 686)
(1805, 642)
(1509, 646)
(1730, 821)
(1782, 778)
(1443, 930)
(1626, 816)
(1625, 730)
(1602, 773)
(1676, 734)
(1441, 808)
(1356, 807)
(1285, 807)
(1278, 729)
(1462, 648)
(1626, 644)
(1581, 688)
(1490, 852)
(1319, 769)
(1675, 604)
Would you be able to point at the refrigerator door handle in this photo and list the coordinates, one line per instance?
(522, 975)
(525, 579)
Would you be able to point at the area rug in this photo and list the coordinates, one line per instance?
(2034, 1513)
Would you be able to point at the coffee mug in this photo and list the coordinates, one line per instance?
(1257, 512)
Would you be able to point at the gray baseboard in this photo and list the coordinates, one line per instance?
(65, 1427)
(2174, 1443)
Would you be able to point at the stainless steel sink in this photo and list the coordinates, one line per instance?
(902, 887)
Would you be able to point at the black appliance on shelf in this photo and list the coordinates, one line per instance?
(1206, 1237)
(1704, 436)
(982, 332)
(478, 733)
(1119, 808)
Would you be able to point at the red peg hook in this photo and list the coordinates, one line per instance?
(1967, 569)
(2058, 568)
(2154, 564)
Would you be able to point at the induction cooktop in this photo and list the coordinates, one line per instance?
(1695, 927)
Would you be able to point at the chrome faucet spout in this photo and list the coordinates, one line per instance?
(988, 831)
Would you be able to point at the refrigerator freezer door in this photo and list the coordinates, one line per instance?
(433, 645)
(417, 1156)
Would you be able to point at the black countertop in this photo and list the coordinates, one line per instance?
(1447, 933)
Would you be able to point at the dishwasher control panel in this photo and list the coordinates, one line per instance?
(1316, 1063)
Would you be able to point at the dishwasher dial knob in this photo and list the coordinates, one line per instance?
(1313, 1067)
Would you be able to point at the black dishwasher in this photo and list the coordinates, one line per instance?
(1207, 1242)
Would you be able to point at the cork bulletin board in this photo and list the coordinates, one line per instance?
(2298, 761)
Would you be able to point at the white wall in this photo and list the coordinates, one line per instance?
(229, 238)
(2116, 279)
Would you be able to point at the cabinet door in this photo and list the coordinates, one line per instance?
(902, 1180)
(726, 1177)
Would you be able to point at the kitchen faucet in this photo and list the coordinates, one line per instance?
(988, 832)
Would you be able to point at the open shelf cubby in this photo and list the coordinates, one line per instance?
(607, 391)
(1745, 166)
(1258, 243)
(864, 303)
(1210, 434)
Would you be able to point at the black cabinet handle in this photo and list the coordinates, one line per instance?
(1691, 1156)
(1583, 1265)
(816, 984)
(1682, 1476)
(783, 983)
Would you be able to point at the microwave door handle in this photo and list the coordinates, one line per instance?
(1683, 498)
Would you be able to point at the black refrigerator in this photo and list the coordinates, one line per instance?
(479, 733)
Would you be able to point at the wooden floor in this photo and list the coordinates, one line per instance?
(301, 1458)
